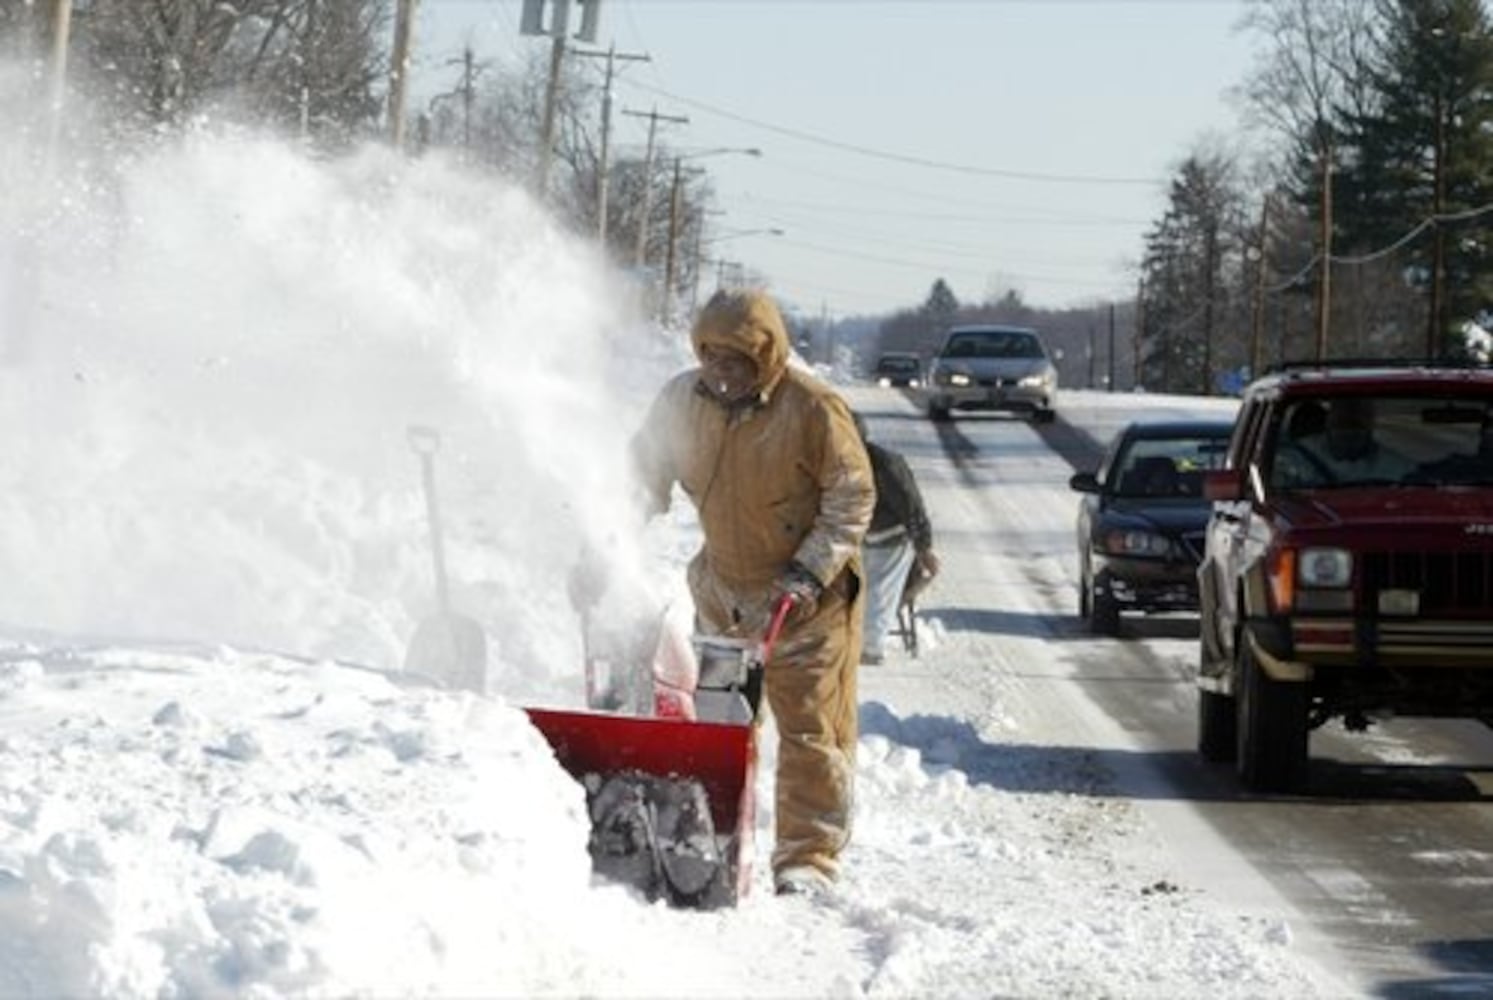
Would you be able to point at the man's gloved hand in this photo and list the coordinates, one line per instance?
(801, 586)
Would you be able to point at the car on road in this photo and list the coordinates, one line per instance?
(1348, 564)
(1004, 368)
(899, 369)
(1141, 519)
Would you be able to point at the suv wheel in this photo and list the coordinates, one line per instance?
(1218, 727)
(1272, 727)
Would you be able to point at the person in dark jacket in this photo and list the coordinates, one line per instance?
(898, 544)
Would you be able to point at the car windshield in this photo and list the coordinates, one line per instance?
(897, 365)
(1411, 440)
(1167, 467)
(993, 344)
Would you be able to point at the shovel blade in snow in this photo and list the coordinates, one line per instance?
(721, 756)
(450, 650)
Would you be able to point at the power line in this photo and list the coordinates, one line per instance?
(1373, 255)
(896, 157)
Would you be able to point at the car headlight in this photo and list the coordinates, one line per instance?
(1032, 381)
(958, 378)
(884, 382)
(1135, 542)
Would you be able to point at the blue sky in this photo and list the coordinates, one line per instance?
(994, 144)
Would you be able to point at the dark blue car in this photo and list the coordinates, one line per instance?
(1142, 519)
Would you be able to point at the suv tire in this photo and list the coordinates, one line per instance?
(1272, 727)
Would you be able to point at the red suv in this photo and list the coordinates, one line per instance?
(1348, 563)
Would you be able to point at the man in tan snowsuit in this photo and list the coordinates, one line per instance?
(772, 461)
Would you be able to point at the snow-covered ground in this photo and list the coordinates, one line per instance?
(215, 779)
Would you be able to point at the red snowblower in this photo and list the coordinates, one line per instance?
(672, 795)
(669, 770)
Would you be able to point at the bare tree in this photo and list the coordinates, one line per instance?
(308, 64)
(1312, 66)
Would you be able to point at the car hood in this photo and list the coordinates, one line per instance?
(1397, 510)
(1171, 518)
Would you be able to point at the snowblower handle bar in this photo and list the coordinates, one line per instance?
(779, 617)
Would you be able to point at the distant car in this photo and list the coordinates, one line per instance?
(899, 368)
(992, 368)
(1142, 519)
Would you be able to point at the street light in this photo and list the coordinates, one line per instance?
(701, 260)
(676, 192)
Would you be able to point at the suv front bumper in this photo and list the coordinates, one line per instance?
(1297, 649)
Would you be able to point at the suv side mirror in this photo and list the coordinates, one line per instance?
(1223, 484)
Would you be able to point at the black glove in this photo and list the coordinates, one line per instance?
(802, 587)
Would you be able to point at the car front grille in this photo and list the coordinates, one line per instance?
(1450, 584)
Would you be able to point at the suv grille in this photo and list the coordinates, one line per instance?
(1451, 584)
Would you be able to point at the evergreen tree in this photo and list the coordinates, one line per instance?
(1183, 268)
(1423, 151)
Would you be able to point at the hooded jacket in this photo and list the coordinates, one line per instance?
(777, 479)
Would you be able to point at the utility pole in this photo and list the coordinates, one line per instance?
(468, 87)
(62, 17)
(308, 60)
(1135, 337)
(1092, 350)
(399, 66)
(560, 21)
(1324, 287)
(531, 23)
(603, 172)
(1109, 381)
(1262, 265)
(640, 256)
(676, 194)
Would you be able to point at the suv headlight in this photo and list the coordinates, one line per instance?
(1134, 542)
(1311, 579)
(1324, 567)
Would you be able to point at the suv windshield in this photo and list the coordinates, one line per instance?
(993, 344)
(1420, 440)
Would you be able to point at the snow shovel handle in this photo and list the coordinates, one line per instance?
(775, 628)
(425, 442)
